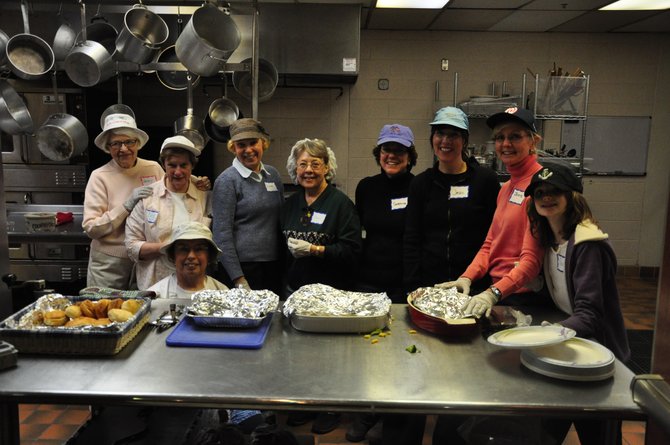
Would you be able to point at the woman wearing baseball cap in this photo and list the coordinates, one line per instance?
(580, 271)
(450, 207)
(171, 202)
(510, 254)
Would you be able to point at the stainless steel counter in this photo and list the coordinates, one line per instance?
(68, 233)
(296, 370)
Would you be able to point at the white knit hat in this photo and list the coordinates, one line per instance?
(180, 142)
(124, 123)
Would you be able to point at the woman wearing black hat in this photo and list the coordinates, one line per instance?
(579, 270)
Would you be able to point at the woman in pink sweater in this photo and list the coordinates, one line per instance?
(510, 254)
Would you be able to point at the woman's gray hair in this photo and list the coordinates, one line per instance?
(316, 148)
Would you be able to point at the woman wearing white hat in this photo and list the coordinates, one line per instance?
(172, 201)
(111, 194)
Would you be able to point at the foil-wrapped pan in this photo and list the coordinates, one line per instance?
(233, 308)
(324, 300)
(440, 302)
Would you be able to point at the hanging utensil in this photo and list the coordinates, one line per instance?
(64, 39)
(14, 115)
(119, 107)
(191, 126)
(174, 80)
(3, 47)
(62, 136)
(221, 114)
(142, 35)
(268, 77)
(28, 56)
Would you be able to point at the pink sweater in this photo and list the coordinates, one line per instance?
(107, 189)
(510, 254)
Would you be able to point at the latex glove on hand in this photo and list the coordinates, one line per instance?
(202, 183)
(242, 283)
(548, 323)
(139, 193)
(462, 284)
(480, 304)
(299, 248)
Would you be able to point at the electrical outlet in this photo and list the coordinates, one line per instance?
(445, 64)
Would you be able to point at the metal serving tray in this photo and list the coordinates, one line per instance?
(210, 321)
(339, 325)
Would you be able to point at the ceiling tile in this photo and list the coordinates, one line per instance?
(534, 21)
(603, 21)
(408, 19)
(659, 22)
(468, 19)
(486, 4)
(565, 5)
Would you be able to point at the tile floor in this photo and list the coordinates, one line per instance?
(55, 424)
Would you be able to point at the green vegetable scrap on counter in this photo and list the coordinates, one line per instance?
(412, 349)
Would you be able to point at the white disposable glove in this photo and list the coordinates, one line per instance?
(137, 194)
(548, 323)
(242, 283)
(480, 304)
(299, 248)
(462, 284)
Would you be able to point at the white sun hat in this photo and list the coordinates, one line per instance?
(123, 123)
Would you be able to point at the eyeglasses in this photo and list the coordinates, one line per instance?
(306, 218)
(513, 138)
(449, 135)
(130, 143)
(185, 249)
(314, 165)
(540, 193)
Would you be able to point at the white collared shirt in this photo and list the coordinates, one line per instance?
(245, 172)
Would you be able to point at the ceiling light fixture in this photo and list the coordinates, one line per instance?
(636, 5)
(412, 4)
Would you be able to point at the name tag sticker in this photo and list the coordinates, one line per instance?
(459, 191)
(398, 203)
(517, 197)
(147, 180)
(270, 186)
(318, 218)
(560, 262)
(151, 216)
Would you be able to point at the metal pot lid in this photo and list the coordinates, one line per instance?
(174, 80)
(14, 115)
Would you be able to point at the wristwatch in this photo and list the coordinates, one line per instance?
(496, 292)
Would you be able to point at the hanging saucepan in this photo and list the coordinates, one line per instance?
(64, 39)
(89, 62)
(208, 40)
(62, 136)
(101, 31)
(221, 114)
(267, 80)
(14, 115)
(119, 107)
(191, 126)
(142, 35)
(29, 56)
(174, 80)
(3, 47)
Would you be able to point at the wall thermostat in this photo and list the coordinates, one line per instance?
(383, 84)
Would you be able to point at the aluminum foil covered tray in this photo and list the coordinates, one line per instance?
(439, 311)
(233, 308)
(322, 308)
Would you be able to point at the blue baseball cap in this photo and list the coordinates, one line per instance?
(451, 116)
(396, 133)
(517, 115)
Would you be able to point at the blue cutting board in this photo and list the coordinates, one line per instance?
(187, 333)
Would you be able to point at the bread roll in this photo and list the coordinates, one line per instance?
(102, 322)
(119, 315)
(55, 318)
(73, 311)
(131, 305)
(101, 308)
(115, 304)
(87, 309)
(81, 321)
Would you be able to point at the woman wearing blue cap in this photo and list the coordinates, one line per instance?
(579, 270)
(450, 207)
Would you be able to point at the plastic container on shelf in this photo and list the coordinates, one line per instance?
(561, 96)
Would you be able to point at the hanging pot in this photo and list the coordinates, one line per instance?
(89, 62)
(142, 35)
(29, 56)
(268, 77)
(119, 107)
(216, 133)
(62, 136)
(174, 80)
(191, 126)
(14, 115)
(208, 40)
(64, 39)
(3, 47)
(101, 31)
(221, 114)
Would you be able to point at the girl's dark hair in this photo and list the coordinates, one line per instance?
(411, 151)
(577, 210)
(464, 134)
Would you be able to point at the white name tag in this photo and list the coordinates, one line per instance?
(318, 218)
(147, 180)
(560, 262)
(517, 197)
(270, 186)
(398, 203)
(151, 216)
(459, 191)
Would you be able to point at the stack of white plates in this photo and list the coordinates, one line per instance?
(554, 351)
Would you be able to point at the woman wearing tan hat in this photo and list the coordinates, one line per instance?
(173, 201)
(111, 194)
(247, 199)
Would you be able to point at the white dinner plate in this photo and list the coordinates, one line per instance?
(576, 359)
(531, 336)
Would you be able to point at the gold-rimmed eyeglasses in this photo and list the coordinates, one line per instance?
(130, 143)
